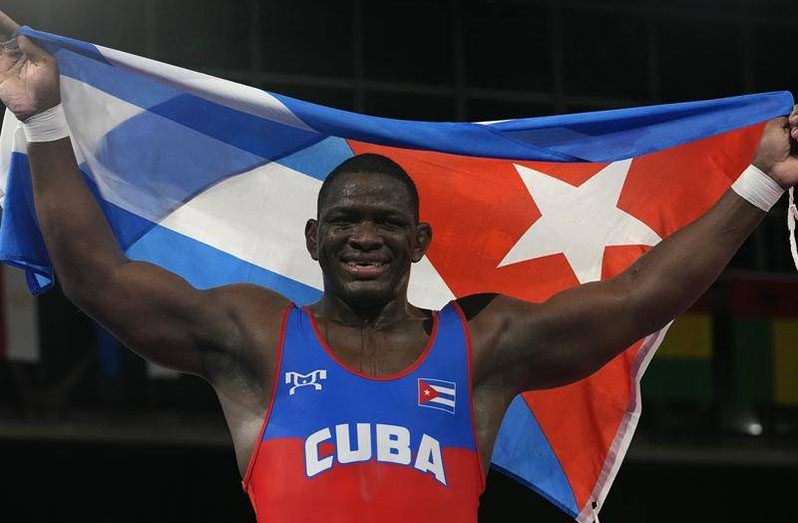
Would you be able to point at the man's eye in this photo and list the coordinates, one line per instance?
(392, 224)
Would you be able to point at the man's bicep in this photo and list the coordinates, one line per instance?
(565, 338)
(163, 318)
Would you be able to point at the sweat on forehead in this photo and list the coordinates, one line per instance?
(370, 164)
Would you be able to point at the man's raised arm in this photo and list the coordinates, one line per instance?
(577, 331)
(153, 311)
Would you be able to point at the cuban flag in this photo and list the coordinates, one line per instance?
(437, 394)
(214, 181)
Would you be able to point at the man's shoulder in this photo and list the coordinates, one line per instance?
(254, 307)
(492, 315)
(248, 294)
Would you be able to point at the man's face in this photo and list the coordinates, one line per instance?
(366, 238)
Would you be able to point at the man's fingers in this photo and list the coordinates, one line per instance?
(31, 50)
(793, 121)
(8, 27)
(777, 126)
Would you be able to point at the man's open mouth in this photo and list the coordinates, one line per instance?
(365, 263)
(365, 268)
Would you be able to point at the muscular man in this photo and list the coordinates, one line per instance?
(323, 402)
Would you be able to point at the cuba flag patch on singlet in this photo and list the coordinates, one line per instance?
(437, 394)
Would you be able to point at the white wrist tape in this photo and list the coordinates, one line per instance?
(758, 188)
(47, 126)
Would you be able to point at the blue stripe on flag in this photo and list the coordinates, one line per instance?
(127, 227)
(194, 160)
(21, 242)
(204, 266)
(604, 136)
(261, 137)
(319, 159)
(133, 88)
(456, 138)
(511, 456)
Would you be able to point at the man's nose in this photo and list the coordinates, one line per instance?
(366, 236)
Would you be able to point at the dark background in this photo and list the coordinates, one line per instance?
(105, 447)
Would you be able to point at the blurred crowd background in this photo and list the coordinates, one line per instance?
(90, 431)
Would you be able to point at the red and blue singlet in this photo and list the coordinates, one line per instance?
(340, 446)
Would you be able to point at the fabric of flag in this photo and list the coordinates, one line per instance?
(215, 180)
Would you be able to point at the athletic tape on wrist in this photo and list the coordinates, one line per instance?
(757, 188)
(47, 126)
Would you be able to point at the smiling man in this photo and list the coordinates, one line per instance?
(362, 407)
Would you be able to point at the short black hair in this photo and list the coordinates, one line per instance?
(367, 163)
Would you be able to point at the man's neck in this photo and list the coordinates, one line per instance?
(374, 316)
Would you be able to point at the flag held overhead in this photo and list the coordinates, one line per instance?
(214, 181)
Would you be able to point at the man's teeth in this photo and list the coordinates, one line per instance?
(364, 264)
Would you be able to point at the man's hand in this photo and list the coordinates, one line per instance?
(29, 81)
(777, 154)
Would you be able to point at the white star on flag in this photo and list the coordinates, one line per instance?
(579, 222)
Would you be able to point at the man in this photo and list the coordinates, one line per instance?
(315, 398)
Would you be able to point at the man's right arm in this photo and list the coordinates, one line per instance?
(154, 312)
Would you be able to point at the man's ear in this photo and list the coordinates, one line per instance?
(311, 228)
(423, 239)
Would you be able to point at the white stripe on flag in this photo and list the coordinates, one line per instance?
(443, 390)
(442, 401)
(21, 317)
(258, 216)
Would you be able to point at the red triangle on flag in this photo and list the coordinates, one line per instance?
(426, 392)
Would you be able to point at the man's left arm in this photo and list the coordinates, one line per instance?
(577, 331)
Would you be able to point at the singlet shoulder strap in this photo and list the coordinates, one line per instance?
(286, 314)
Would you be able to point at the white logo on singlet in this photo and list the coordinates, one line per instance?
(311, 379)
(390, 443)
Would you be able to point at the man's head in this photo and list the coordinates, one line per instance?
(367, 233)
